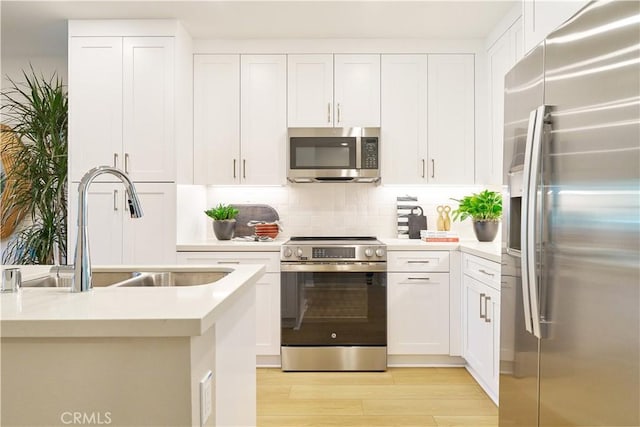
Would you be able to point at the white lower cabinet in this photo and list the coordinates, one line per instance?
(481, 322)
(115, 237)
(267, 292)
(418, 303)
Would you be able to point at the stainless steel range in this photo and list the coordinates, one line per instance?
(333, 304)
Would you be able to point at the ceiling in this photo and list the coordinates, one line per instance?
(39, 27)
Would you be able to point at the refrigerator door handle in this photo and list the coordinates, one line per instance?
(524, 245)
(531, 188)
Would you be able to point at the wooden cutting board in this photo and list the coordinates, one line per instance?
(248, 213)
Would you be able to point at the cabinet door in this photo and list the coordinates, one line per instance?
(310, 90)
(216, 119)
(263, 128)
(150, 239)
(95, 104)
(481, 331)
(502, 56)
(542, 17)
(404, 119)
(357, 91)
(104, 222)
(267, 292)
(148, 103)
(268, 315)
(418, 313)
(451, 119)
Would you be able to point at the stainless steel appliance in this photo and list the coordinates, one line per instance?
(333, 304)
(570, 323)
(333, 155)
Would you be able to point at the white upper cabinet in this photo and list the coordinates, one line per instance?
(121, 100)
(501, 57)
(334, 90)
(542, 17)
(451, 126)
(357, 91)
(310, 90)
(428, 127)
(404, 119)
(148, 103)
(95, 103)
(263, 124)
(216, 119)
(240, 119)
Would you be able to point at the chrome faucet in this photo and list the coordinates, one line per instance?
(82, 267)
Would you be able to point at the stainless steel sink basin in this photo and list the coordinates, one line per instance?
(99, 279)
(135, 278)
(174, 278)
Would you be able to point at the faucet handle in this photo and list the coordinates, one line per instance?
(11, 280)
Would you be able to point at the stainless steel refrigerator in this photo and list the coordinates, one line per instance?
(570, 303)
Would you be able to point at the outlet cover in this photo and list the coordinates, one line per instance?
(205, 398)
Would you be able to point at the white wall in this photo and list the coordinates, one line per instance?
(46, 65)
(320, 209)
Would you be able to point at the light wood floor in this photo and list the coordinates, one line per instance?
(399, 397)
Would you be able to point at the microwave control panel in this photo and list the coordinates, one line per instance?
(369, 153)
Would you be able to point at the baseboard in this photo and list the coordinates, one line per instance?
(271, 361)
(419, 360)
(482, 384)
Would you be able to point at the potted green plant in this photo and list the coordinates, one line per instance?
(485, 209)
(224, 222)
(35, 113)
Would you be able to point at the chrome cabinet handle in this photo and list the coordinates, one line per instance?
(228, 262)
(486, 272)
(418, 278)
(423, 168)
(338, 112)
(234, 168)
(483, 316)
(126, 162)
(433, 168)
(244, 168)
(328, 112)
(486, 310)
(418, 262)
(115, 160)
(115, 200)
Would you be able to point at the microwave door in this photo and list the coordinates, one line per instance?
(323, 153)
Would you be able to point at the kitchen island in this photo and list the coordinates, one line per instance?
(127, 356)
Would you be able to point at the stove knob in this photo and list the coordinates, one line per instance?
(287, 252)
(368, 252)
(299, 252)
(379, 252)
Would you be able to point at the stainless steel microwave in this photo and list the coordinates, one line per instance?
(333, 154)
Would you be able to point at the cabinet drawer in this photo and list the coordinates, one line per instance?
(437, 261)
(270, 259)
(483, 270)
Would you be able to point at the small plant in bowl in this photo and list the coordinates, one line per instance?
(485, 209)
(224, 220)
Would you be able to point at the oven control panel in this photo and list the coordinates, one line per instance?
(333, 253)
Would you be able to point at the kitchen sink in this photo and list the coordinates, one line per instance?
(99, 279)
(174, 278)
(134, 278)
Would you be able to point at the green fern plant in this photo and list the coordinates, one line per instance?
(36, 110)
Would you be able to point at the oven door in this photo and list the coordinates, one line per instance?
(333, 308)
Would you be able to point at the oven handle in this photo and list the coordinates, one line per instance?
(374, 267)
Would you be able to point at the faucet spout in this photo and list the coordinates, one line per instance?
(82, 267)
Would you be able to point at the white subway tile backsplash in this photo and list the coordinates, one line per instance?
(329, 209)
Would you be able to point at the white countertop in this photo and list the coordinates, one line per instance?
(122, 311)
(214, 245)
(487, 250)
